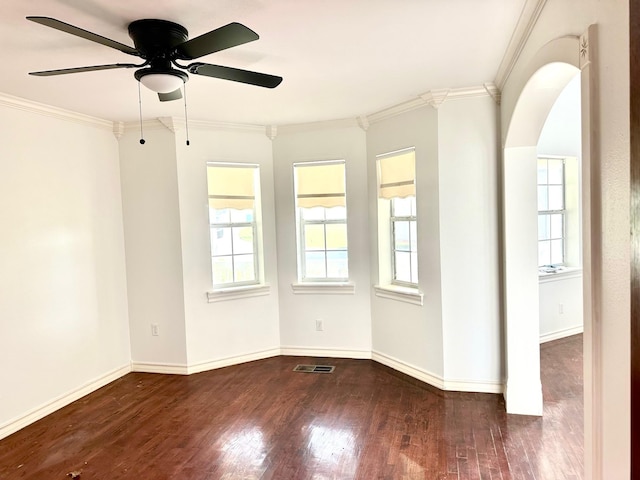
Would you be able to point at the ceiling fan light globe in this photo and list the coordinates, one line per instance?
(162, 82)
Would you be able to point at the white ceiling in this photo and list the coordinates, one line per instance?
(339, 58)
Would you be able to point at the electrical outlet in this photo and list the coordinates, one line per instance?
(154, 329)
(319, 325)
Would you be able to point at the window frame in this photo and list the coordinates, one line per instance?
(392, 224)
(301, 222)
(231, 225)
(549, 212)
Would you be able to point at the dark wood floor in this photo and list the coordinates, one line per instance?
(260, 420)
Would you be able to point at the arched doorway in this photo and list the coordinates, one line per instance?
(523, 392)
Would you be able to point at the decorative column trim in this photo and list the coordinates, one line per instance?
(435, 98)
(169, 123)
(271, 131)
(118, 129)
(363, 122)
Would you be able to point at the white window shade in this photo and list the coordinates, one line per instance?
(320, 185)
(397, 174)
(231, 187)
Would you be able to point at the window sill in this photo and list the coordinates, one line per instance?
(401, 294)
(321, 288)
(233, 293)
(563, 274)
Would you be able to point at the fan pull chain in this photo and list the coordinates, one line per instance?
(140, 105)
(186, 118)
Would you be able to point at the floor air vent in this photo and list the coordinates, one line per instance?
(314, 368)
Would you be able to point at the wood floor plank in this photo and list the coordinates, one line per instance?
(262, 421)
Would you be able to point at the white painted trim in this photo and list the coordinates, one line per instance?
(175, 124)
(234, 293)
(559, 276)
(401, 294)
(164, 368)
(435, 98)
(61, 401)
(54, 112)
(324, 352)
(558, 334)
(436, 380)
(230, 361)
(320, 288)
(321, 125)
(528, 18)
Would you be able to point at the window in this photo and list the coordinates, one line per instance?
(322, 221)
(232, 220)
(551, 212)
(397, 209)
(404, 241)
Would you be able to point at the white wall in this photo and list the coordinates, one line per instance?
(153, 247)
(607, 448)
(63, 299)
(410, 334)
(468, 186)
(346, 318)
(560, 306)
(227, 329)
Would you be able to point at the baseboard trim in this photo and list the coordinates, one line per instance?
(325, 352)
(62, 401)
(163, 368)
(565, 332)
(436, 380)
(230, 361)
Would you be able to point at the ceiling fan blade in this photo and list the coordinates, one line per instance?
(222, 38)
(235, 74)
(167, 97)
(79, 32)
(63, 71)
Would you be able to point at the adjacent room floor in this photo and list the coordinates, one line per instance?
(261, 420)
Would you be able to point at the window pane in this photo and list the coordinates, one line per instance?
(542, 171)
(244, 268)
(414, 267)
(401, 236)
(314, 237)
(218, 215)
(556, 173)
(337, 265)
(242, 240)
(413, 232)
(220, 241)
(543, 200)
(543, 227)
(557, 229)
(315, 265)
(222, 269)
(401, 207)
(336, 213)
(315, 213)
(336, 236)
(403, 266)
(556, 200)
(557, 252)
(544, 253)
(241, 216)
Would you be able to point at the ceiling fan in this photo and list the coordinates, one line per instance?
(161, 44)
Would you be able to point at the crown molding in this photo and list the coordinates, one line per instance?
(322, 125)
(30, 106)
(531, 11)
(175, 124)
(435, 98)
